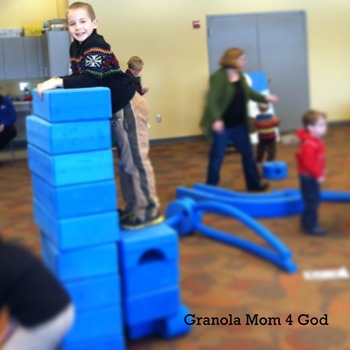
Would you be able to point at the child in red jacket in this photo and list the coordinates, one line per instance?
(311, 168)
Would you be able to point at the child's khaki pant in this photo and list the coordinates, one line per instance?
(130, 128)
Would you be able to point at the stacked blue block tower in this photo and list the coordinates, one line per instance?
(118, 280)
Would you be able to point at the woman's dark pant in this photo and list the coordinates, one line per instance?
(240, 137)
(7, 135)
(310, 191)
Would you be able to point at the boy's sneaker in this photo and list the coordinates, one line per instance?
(122, 213)
(131, 222)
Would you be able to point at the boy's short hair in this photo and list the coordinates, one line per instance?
(229, 58)
(263, 107)
(135, 62)
(311, 117)
(82, 5)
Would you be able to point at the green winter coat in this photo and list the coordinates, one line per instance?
(219, 96)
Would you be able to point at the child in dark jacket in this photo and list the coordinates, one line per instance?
(135, 66)
(311, 168)
(39, 309)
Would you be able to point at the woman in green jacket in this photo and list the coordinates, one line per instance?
(225, 118)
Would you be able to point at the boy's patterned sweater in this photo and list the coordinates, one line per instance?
(94, 64)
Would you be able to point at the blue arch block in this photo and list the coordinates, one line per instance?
(275, 170)
(61, 138)
(68, 105)
(71, 169)
(149, 259)
(78, 264)
(76, 200)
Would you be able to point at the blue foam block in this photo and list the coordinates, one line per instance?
(95, 292)
(149, 259)
(275, 170)
(77, 200)
(95, 324)
(71, 169)
(70, 105)
(150, 276)
(175, 325)
(153, 243)
(80, 263)
(60, 138)
(268, 205)
(142, 330)
(77, 232)
(169, 327)
(142, 308)
(106, 343)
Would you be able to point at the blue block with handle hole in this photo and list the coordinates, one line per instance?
(75, 200)
(82, 263)
(149, 259)
(275, 170)
(71, 169)
(61, 138)
(69, 105)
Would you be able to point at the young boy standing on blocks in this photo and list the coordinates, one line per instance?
(94, 64)
(311, 168)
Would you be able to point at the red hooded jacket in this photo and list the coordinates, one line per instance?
(311, 158)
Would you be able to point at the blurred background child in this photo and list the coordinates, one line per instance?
(135, 66)
(7, 121)
(311, 168)
(266, 123)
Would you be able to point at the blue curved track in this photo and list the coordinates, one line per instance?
(268, 205)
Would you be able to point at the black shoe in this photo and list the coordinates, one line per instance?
(262, 187)
(316, 231)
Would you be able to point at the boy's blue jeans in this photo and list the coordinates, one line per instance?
(310, 192)
(240, 137)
